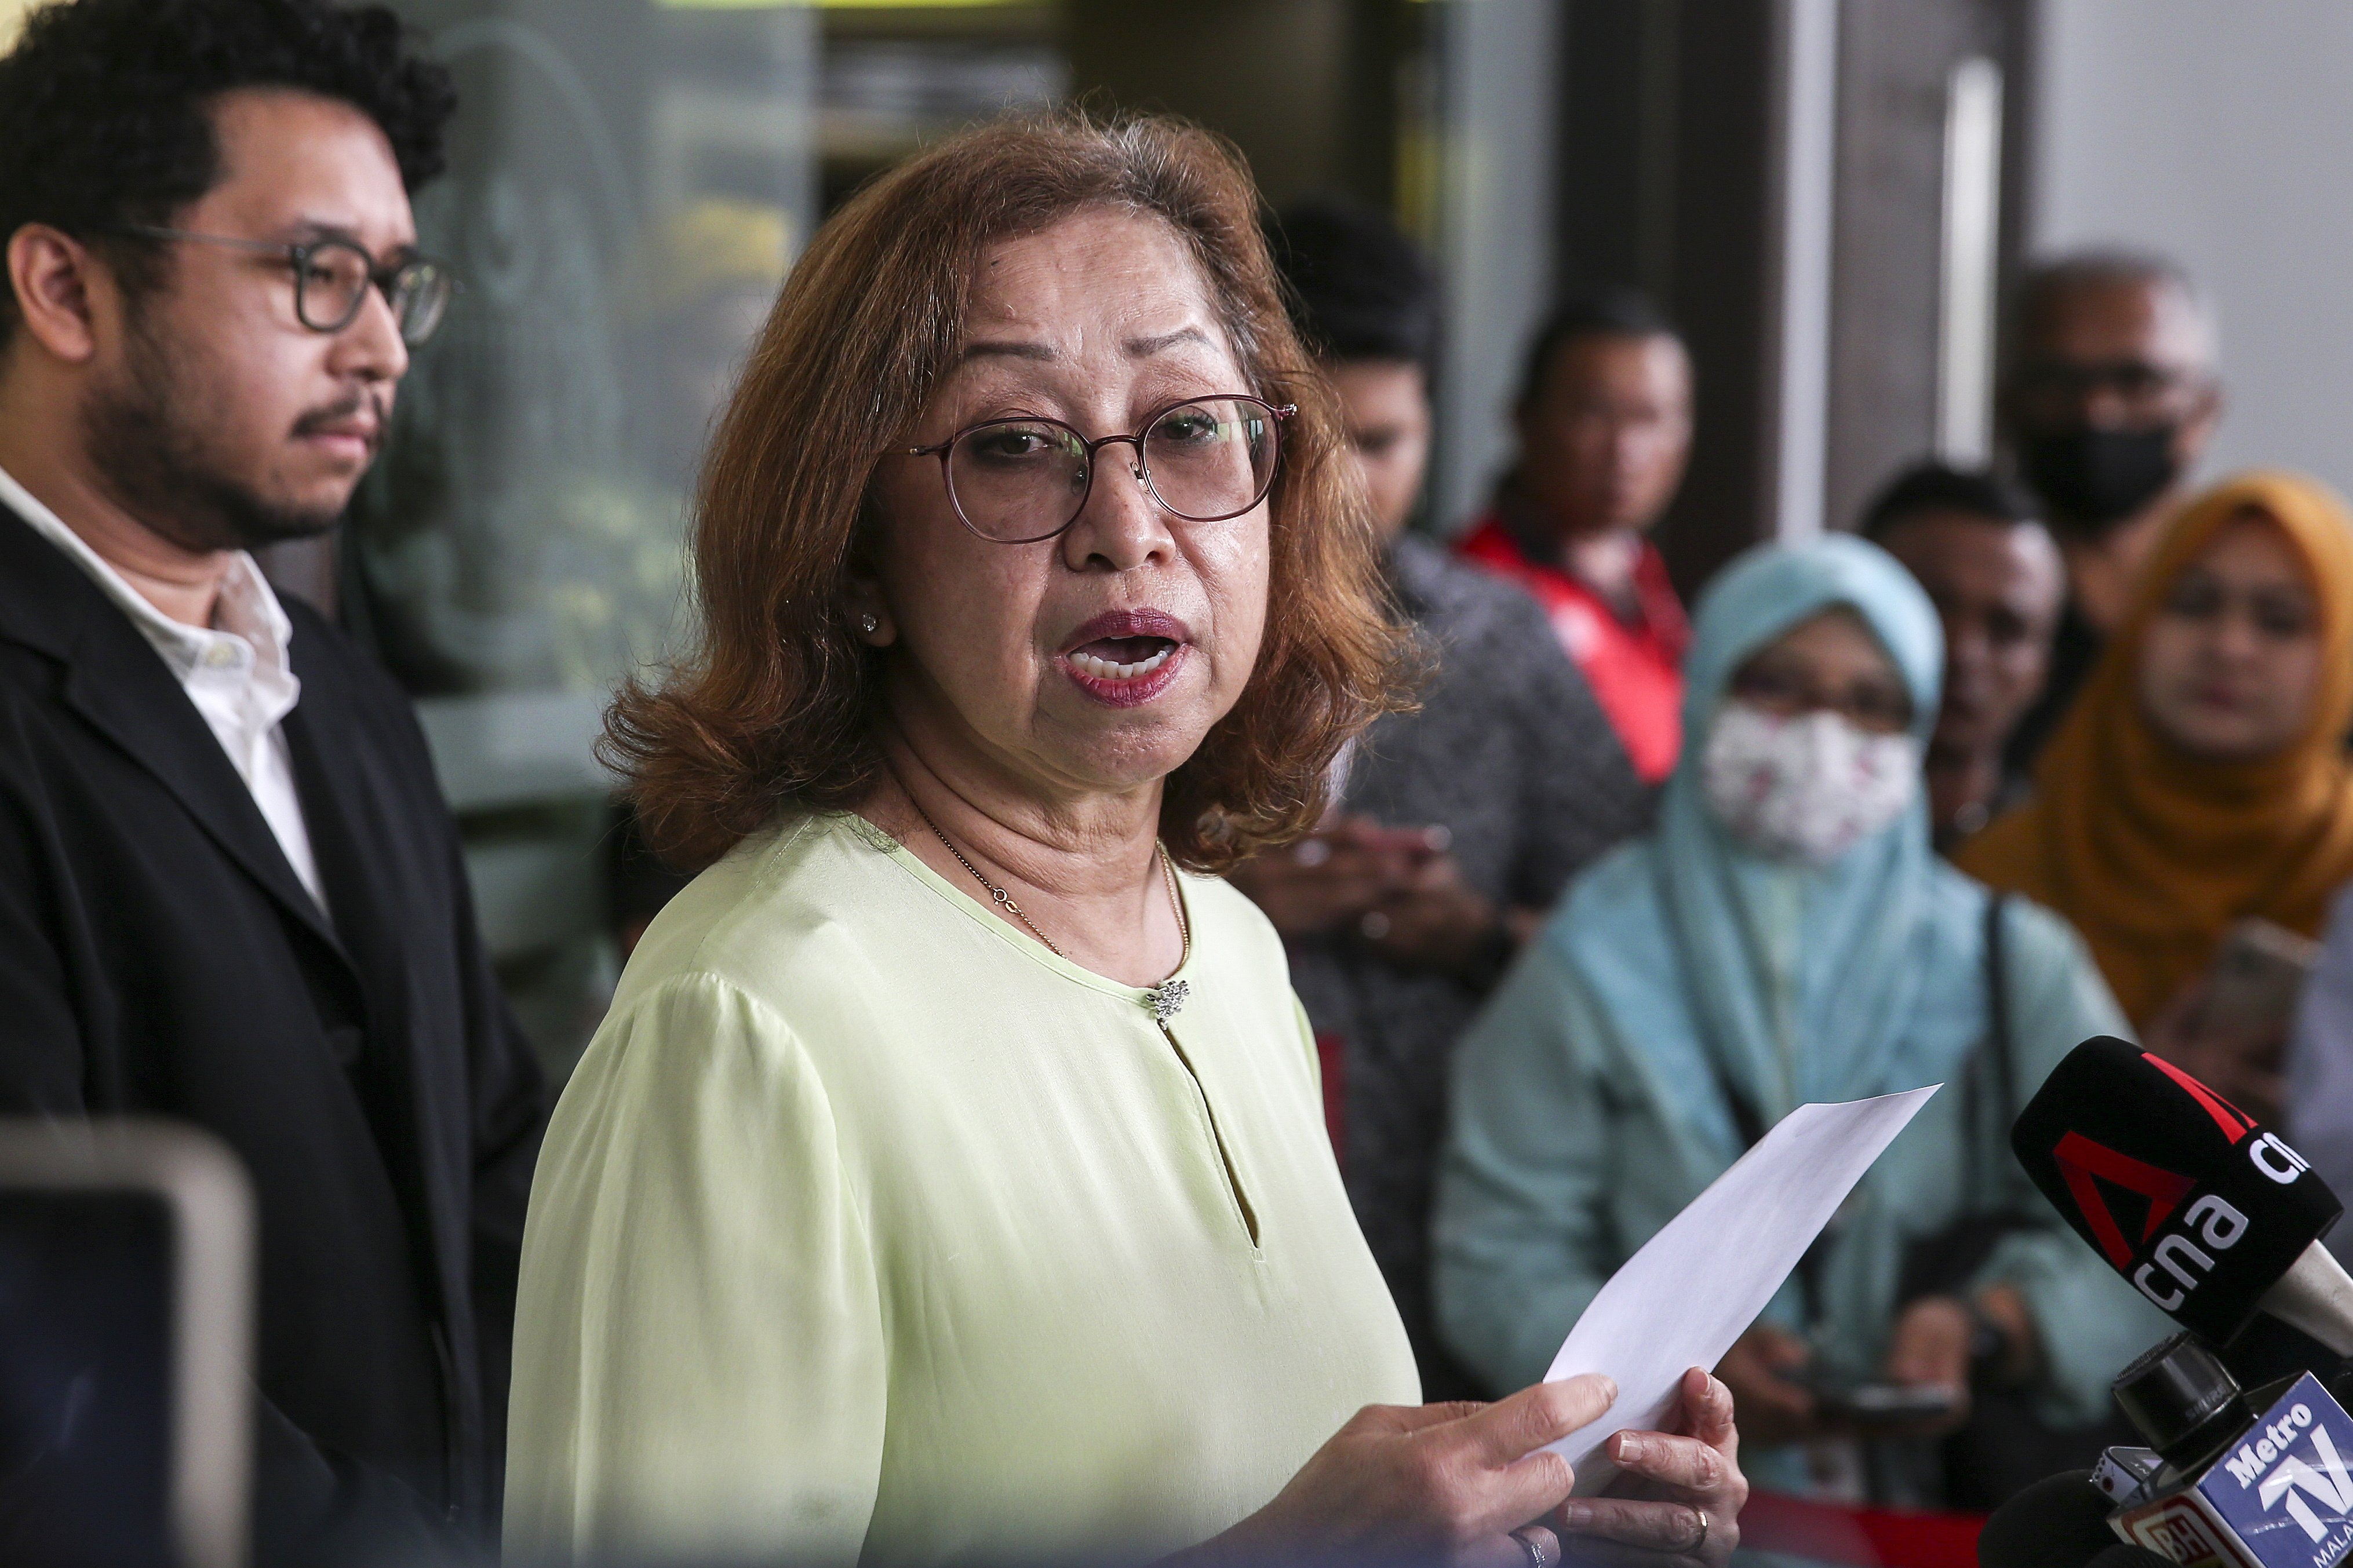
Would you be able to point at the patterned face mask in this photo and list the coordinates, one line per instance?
(1808, 788)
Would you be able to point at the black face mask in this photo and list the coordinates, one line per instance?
(2097, 476)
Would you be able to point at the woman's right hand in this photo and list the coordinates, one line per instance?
(1437, 1483)
(1769, 1405)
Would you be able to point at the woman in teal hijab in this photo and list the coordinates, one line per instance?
(1786, 935)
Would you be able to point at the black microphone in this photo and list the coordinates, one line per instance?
(2060, 1521)
(2209, 1214)
(2226, 1488)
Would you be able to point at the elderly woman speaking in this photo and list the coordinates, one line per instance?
(948, 1180)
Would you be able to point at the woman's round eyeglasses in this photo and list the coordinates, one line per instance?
(332, 278)
(1017, 481)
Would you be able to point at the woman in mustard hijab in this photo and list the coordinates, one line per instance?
(2201, 777)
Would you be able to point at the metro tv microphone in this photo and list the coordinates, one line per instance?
(2208, 1213)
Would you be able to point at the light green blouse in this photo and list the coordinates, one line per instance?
(867, 1225)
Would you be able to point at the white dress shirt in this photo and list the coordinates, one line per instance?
(237, 673)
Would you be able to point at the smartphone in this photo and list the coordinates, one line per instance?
(1880, 1403)
(2257, 975)
(126, 1262)
(1890, 1404)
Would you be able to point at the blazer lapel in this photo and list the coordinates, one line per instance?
(145, 712)
(368, 854)
(119, 684)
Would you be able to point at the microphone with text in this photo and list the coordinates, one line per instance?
(2209, 1215)
(2215, 1219)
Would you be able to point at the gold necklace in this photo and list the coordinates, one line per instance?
(1165, 999)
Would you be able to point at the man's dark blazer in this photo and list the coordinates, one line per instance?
(158, 955)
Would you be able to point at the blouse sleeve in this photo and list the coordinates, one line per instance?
(2090, 1322)
(699, 1361)
(1517, 1233)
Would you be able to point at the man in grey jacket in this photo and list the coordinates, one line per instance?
(1452, 827)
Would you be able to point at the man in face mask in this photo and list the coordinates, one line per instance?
(2109, 403)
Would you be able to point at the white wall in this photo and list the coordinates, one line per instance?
(1499, 64)
(2219, 132)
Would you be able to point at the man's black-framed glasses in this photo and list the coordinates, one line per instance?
(332, 278)
(1204, 460)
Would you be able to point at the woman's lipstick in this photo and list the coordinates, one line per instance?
(1126, 658)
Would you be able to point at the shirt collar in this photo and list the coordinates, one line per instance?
(246, 609)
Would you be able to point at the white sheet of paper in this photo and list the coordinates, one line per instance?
(1697, 1285)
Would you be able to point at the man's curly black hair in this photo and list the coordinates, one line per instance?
(104, 106)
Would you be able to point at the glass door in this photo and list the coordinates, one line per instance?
(629, 182)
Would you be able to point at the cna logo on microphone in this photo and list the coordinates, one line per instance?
(2178, 1263)
(2183, 1253)
(2198, 1205)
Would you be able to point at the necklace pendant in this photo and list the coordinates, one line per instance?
(1167, 999)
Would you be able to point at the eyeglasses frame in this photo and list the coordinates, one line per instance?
(298, 254)
(944, 451)
(1814, 700)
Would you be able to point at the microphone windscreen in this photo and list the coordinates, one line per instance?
(2060, 1521)
(2186, 1195)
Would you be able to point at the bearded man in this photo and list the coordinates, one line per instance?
(229, 890)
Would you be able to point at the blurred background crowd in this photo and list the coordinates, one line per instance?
(1612, 292)
(1790, 235)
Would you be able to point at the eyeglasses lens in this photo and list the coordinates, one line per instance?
(420, 295)
(333, 276)
(1017, 478)
(336, 280)
(1020, 479)
(1210, 459)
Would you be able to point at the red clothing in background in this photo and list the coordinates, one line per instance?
(1634, 667)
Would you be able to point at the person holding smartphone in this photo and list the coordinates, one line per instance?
(1454, 826)
(2202, 780)
(1787, 935)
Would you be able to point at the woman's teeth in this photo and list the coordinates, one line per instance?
(1104, 669)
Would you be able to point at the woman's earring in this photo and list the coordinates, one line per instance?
(868, 625)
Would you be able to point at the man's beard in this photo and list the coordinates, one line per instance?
(144, 439)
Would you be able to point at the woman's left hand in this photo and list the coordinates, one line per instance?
(1678, 1495)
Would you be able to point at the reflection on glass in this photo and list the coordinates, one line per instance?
(629, 182)
(627, 188)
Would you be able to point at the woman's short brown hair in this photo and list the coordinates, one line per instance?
(774, 710)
